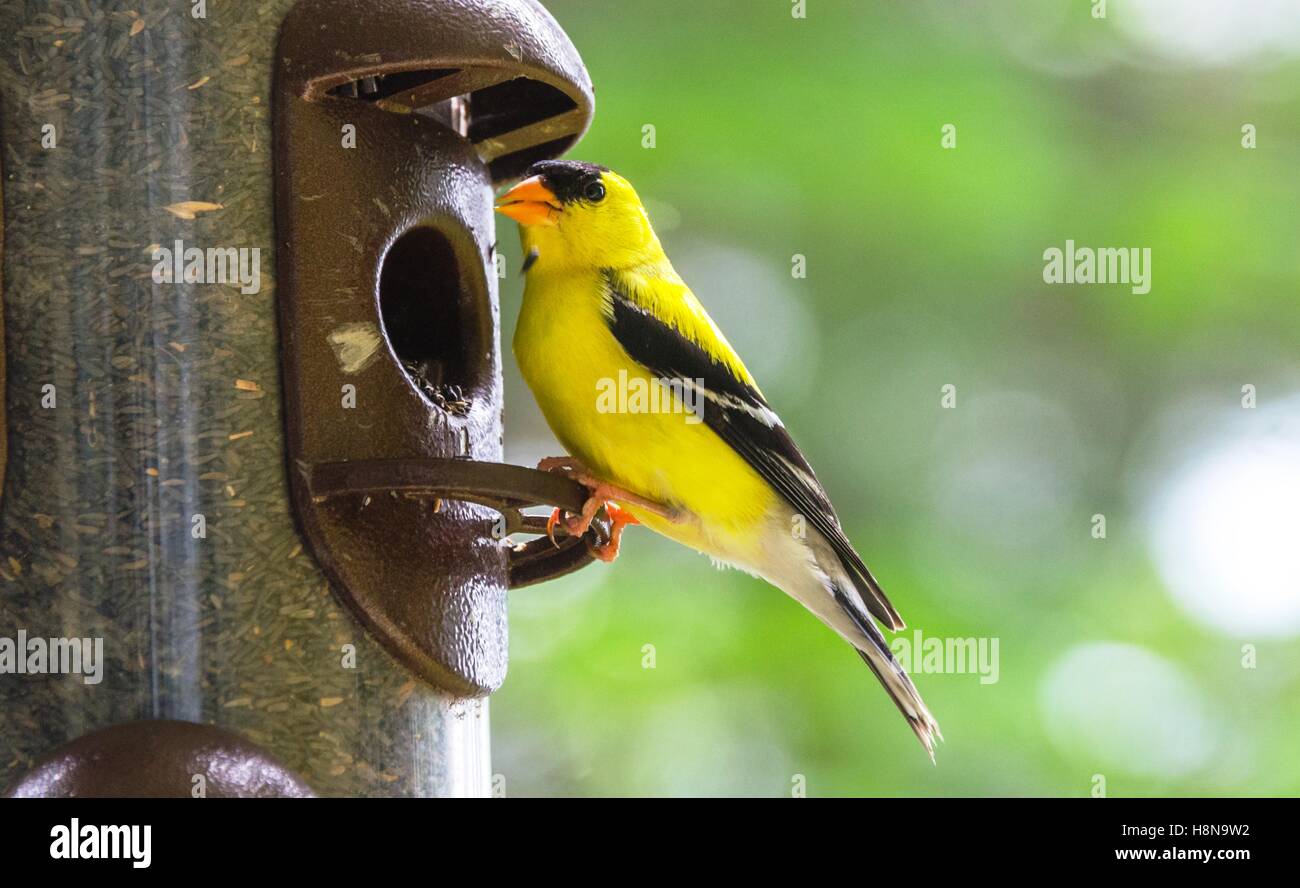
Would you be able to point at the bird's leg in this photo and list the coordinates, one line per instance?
(603, 492)
(600, 493)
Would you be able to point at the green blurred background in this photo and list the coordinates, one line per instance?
(1159, 660)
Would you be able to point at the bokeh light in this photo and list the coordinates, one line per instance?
(1119, 706)
(1225, 529)
(1212, 32)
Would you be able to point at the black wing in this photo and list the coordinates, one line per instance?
(739, 414)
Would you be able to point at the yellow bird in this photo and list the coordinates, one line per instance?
(663, 423)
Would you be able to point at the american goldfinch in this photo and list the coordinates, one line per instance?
(689, 447)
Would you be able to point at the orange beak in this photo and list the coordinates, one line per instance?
(530, 203)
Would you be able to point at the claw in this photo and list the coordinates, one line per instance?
(574, 525)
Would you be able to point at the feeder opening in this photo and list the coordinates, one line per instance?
(426, 318)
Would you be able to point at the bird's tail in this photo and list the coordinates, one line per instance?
(904, 694)
(874, 650)
(813, 575)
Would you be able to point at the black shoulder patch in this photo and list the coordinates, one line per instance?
(669, 354)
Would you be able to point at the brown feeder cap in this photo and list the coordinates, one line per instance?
(527, 93)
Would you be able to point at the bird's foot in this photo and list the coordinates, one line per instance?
(599, 494)
(577, 525)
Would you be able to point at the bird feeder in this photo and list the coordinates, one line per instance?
(254, 379)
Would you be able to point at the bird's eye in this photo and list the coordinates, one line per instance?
(594, 192)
